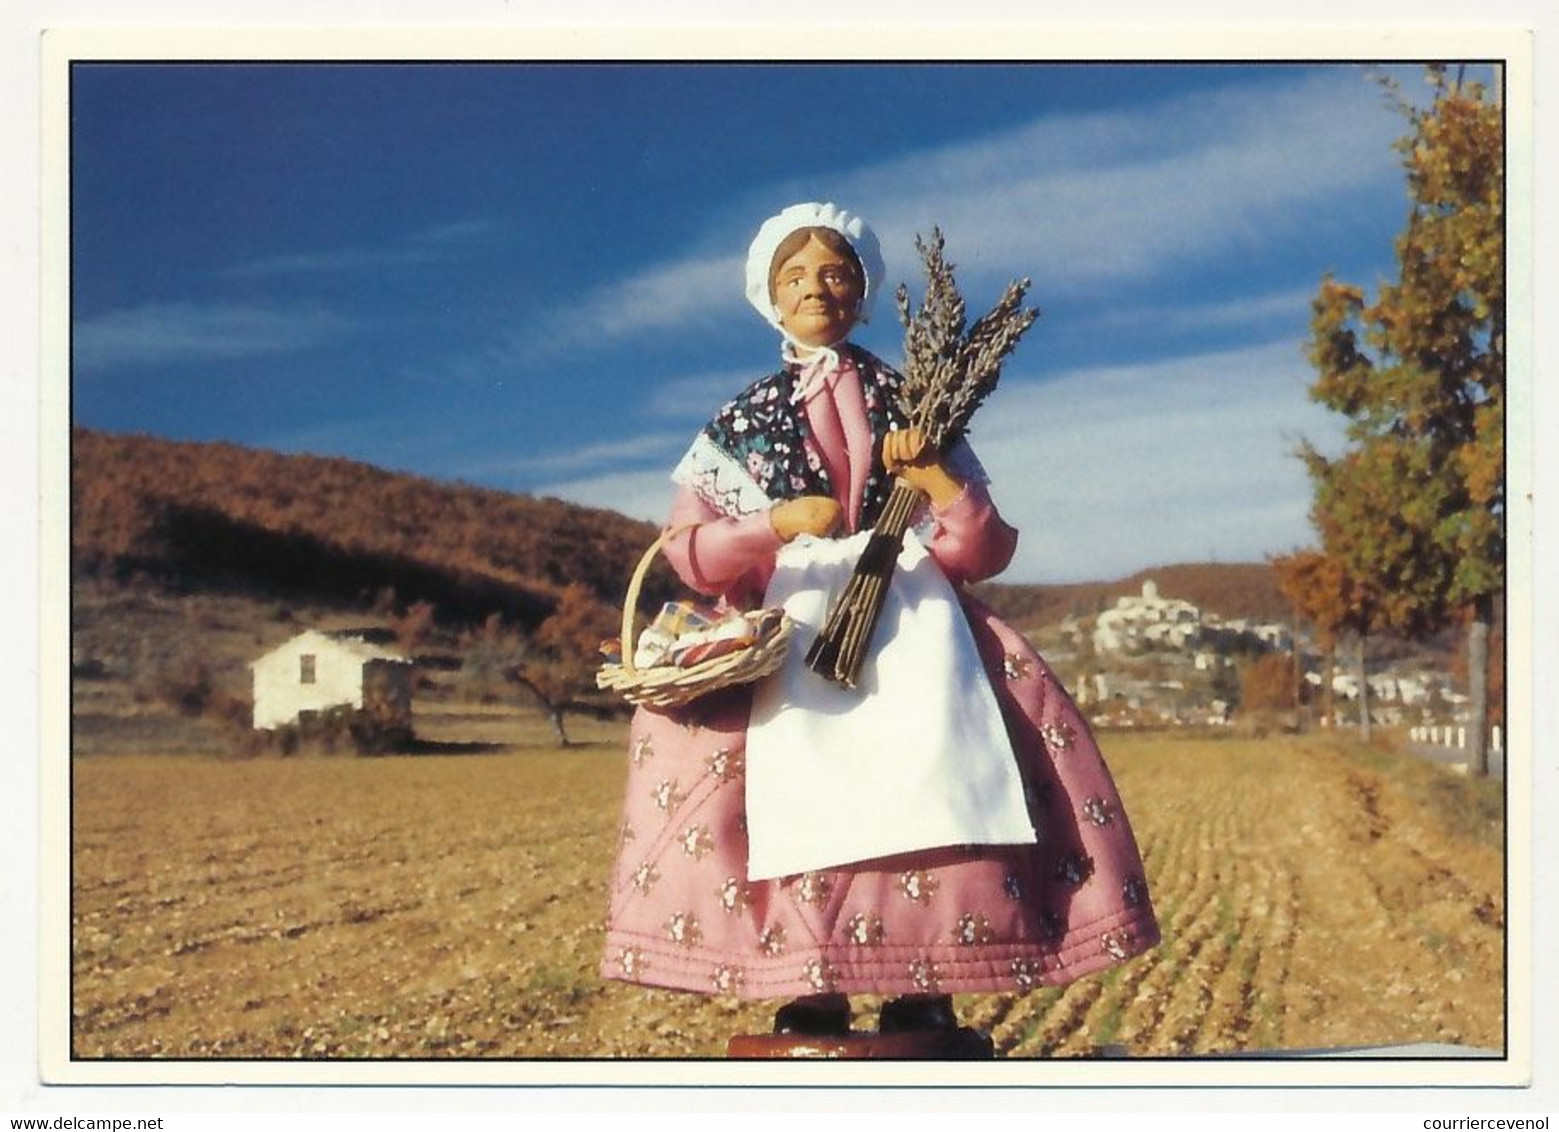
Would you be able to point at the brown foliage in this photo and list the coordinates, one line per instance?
(412, 626)
(1267, 684)
(565, 653)
(1416, 508)
(187, 513)
(186, 685)
(1315, 586)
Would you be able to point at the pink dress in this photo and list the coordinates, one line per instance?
(683, 913)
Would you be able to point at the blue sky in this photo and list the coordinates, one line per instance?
(529, 276)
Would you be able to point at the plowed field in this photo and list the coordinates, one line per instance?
(1312, 893)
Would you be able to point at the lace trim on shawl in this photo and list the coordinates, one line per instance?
(720, 480)
(723, 481)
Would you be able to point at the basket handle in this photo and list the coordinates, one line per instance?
(631, 601)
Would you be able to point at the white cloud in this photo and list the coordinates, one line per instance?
(335, 260)
(428, 245)
(1253, 311)
(1105, 471)
(1075, 201)
(661, 445)
(640, 495)
(696, 397)
(158, 333)
(1080, 201)
(454, 232)
(684, 294)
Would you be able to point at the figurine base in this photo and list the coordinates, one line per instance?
(962, 1044)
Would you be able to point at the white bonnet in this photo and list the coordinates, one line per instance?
(760, 256)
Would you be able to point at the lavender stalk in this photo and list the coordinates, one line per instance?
(948, 374)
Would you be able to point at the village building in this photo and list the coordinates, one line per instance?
(1411, 689)
(1140, 621)
(316, 671)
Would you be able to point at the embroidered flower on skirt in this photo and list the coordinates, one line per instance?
(972, 928)
(917, 885)
(1026, 973)
(725, 766)
(1074, 868)
(644, 878)
(734, 896)
(631, 961)
(865, 928)
(697, 842)
(666, 794)
(683, 929)
(925, 974)
(1057, 736)
(814, 889)
(1117, 944)
(822, 977)
(1097, 810)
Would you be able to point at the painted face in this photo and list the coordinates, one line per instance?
(817, 294)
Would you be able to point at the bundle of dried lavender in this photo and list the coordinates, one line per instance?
(947, 374)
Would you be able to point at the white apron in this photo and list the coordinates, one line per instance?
(916, 757)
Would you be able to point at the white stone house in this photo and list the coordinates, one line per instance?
(315, 671)
(1149, 618)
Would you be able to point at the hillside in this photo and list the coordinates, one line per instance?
(211, 516)
(202, 516)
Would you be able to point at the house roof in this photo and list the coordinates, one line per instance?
(355, 646)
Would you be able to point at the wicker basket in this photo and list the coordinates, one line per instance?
(667, 685)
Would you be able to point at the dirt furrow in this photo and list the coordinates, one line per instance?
(452, 908)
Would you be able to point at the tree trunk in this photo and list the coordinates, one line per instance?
(1328, 692)
(554, 709)
(1364, 690)
(1478, 684)
(1297, 689)
(556, 712)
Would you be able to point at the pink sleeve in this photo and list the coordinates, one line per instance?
(969, 540)
(720, 555)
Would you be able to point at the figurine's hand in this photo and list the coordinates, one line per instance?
(809, 515)
(907, 453)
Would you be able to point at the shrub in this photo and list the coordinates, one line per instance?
(186, 685)
(374, 729)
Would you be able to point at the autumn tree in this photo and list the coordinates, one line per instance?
(1420, 374)
(564, 653)
(489, 654)
(412, 626)
(1315, 586)
(1267, 684)
(1386, 573)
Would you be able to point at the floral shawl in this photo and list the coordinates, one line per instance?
(759, 448)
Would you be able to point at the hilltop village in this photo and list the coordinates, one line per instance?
(1150, 660)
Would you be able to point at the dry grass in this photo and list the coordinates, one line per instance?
(450, 906)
